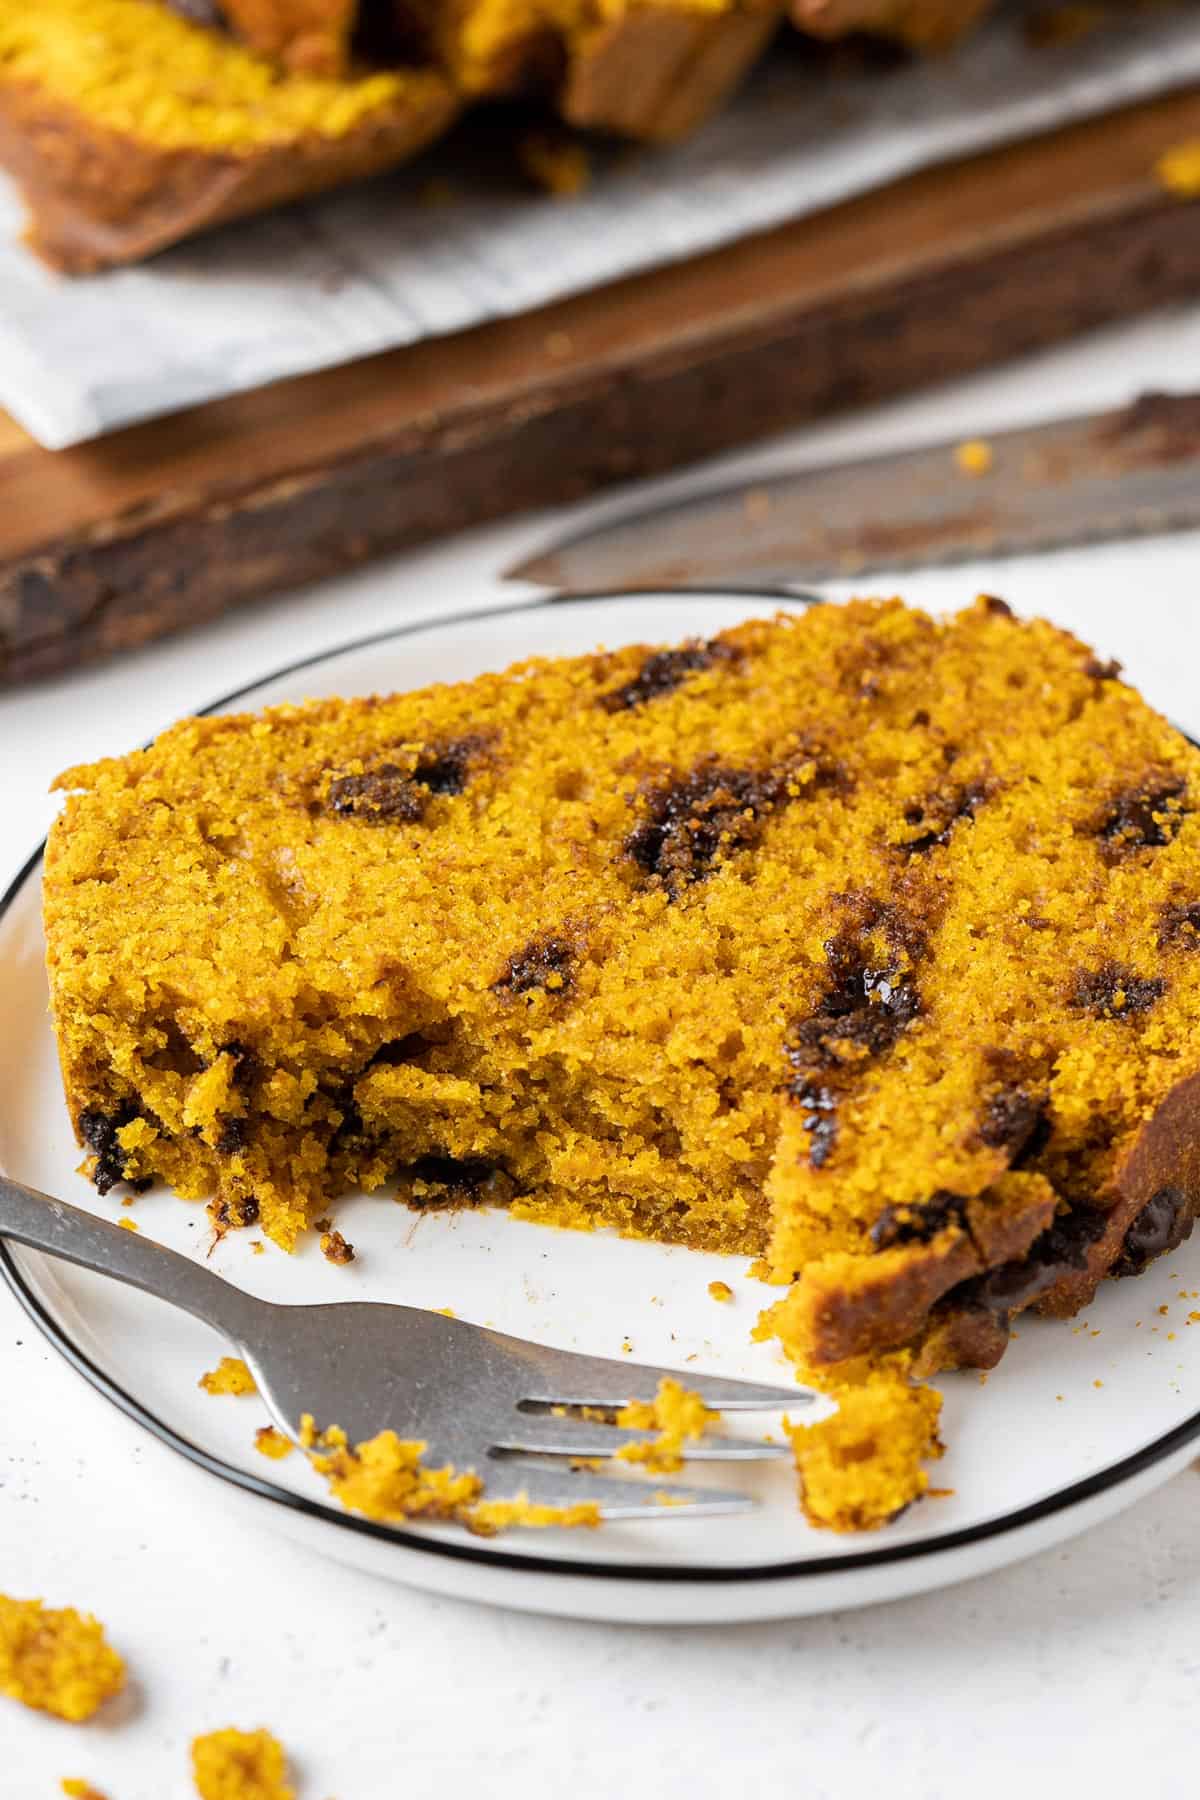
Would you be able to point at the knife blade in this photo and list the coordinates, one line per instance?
(1131, 471)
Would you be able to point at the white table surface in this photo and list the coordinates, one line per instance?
(1077, 1672)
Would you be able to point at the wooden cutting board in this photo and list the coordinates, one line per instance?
(115, 542)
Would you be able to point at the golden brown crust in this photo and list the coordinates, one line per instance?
(658, 73)
(98, 197)
(312, 36)
(1156, 1186)
(922, 24)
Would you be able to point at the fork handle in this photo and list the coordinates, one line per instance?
(65, 1231)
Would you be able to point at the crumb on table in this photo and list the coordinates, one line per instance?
(56, 1660)
(335, 1249)
(240, 1765)
(720, 1290)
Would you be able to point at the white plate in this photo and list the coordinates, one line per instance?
(1080, 1419)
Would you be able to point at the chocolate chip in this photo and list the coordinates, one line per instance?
(993, 604)
(382, 796)
(335, 1249)
(1145, 817)
(445, 771)
(1062, 1249)
(1101, 671)
(351, 1129)
(246, 1064)
(545, 963)
(1015, 1120)
(98, 1130)
(389, 794)
(664, 671)
(919, 1223)
(459, 1181)
(1180, 926)
(699, 819)
(1115, 992)
(944, 811)
(866, 1009)
(863, 1011)
(233, 1213)
(1163, 1224)
(232, 1140)
(819, 1120)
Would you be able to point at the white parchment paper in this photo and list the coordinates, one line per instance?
(377, 266)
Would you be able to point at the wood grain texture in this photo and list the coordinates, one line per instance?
(169, 523)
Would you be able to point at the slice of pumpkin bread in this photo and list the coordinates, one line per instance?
(128, 127)
(860, 940)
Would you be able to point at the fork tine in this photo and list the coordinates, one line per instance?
(617, 1499)
(563, 1378)
(540, 1434)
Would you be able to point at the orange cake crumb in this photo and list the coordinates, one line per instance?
(384, 1478)
(56, 1661)
(240, 1765)
(974, 457)
(1178, 169)
(556, 163)
(677, 1414)
(335, 1249)
(231, 1376)
(489, 1516)
(863, 1466)
(272, 1443)
(720, 1290)
(80, 1790)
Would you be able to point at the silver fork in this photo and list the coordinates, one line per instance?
(478, 1398)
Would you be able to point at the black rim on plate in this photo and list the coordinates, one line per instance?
(1103, 1481)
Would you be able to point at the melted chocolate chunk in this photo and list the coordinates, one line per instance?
(1163, 1224)
(697, 820)
(460, 1181)
(545, 963)
(388, 794)
(1144, 817)
(1015, 1120)
(819, 1120)
(1115, 992)
(1062, 1249)
(944, 811)
(246, 1064)
(232, 1140)
(383, 795)
(99, 1132)
(234, 1214)
(993, 604)
(864, 1010)
(1180, 926)
(351, 1130)
(1101, 671)
(664, 671)
(919, 1224)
